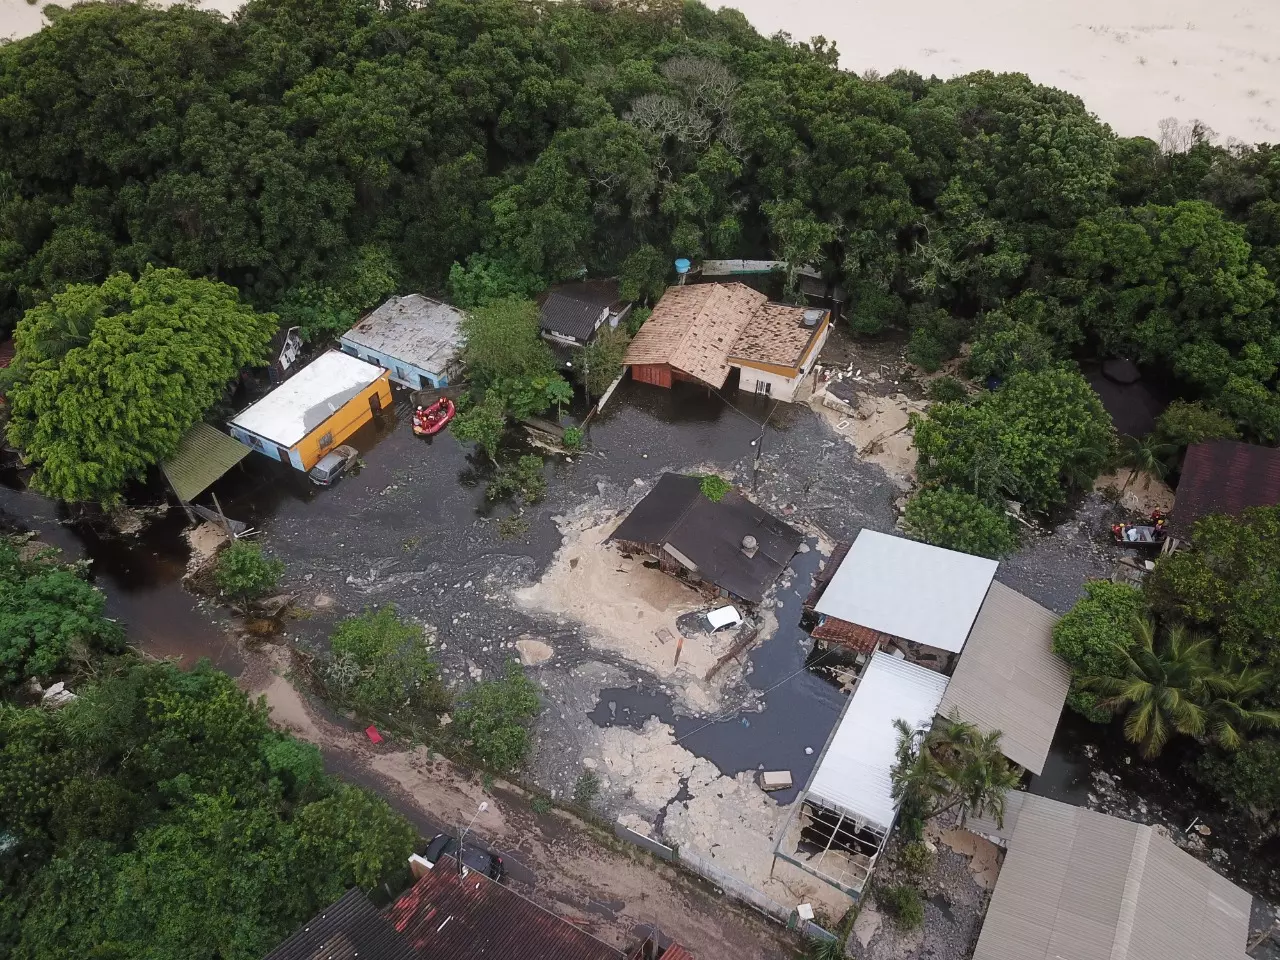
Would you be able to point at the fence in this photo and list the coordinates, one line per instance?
(640, 840)
(752, 897)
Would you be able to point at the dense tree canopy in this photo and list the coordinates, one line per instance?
(160, 815)
(107, 379)
(317, 155)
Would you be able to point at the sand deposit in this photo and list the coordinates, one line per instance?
(878, 428)
(1139, 491)
(729, 821)
(1134, 62)
(205, 540)
(626, 608)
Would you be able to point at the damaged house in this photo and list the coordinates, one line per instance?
(729, 547)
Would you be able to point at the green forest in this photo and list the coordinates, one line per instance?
(317, 156)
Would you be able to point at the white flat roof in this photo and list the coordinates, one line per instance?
(909, 589)
(308, 398)
(853, 774)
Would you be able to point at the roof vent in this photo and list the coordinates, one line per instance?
(749, 545)
(812, 317)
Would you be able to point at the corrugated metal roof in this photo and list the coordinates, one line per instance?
(416, 329)
(204, 454)
(987, 825)
(909, 589)
(853, 774)
(351, 929)
(308, 398)
(1009, 679)
(447, 917)
(570, 317)
(1081, 885)
(1224, 476)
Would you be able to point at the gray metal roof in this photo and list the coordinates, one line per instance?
(204, 454)
(1079, 885)
(986, 826)
(1009, 679)
(351, 929)
(416, 329)
(909, 589)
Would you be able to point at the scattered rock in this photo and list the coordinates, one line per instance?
(534, 652)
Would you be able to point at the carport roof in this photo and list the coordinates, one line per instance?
(204, 454)
(853, 773)
(1009, 679)
(909, 589)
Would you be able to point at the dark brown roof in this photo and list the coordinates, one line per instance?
(570, 317)
(1224, 476)
(448, 917)
(676, 513)
(351, 929)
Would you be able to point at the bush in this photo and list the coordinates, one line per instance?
(636, 319)
(714, 488)
(1184, 423)
(572, 438)
(946, 390)
(49, 613)
(917, 860)
(600, 362)
(935, 338)
(903, 904)
(1247, 779)
(524, 477)
(494, 716)
(586, 789)
(485, 279)
(381, 665)
(1089, 635)
(244, 572)
(959, 521)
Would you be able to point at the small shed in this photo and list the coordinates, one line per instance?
(316, 409)
(839, 828)
(1009, 679)
(1224, 476)
(414, 337)
(730, 544)
(908, 589)
(573, 313)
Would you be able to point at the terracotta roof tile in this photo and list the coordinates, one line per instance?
(851, 636)
(1224, 476)
(775, 334)
(693, 327)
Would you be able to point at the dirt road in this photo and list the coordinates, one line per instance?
(609, 888)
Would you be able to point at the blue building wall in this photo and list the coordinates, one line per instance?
(405, 374)
(265, 447)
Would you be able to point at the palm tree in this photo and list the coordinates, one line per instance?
(954, 764)
(1163, 690)
(1229, 714)
(1148, 455)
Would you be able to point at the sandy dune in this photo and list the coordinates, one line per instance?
(1133, 62)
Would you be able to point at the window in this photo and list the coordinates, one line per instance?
(326, 441)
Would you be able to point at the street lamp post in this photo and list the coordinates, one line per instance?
(462, 834)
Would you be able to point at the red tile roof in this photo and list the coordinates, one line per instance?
(447, 917)
(1224, 476)
(852, 636)
(676, 952)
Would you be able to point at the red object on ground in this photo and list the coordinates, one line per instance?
(372, 733)
(433, 418)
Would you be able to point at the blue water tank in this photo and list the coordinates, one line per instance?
(682, 266)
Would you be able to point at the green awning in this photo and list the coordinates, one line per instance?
(204, 455)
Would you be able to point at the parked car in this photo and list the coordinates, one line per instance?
(333, 465)
(472, 857)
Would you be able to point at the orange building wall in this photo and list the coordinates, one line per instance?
(351, 417)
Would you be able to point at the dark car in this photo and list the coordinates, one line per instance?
(333, 465)
(472, 857)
